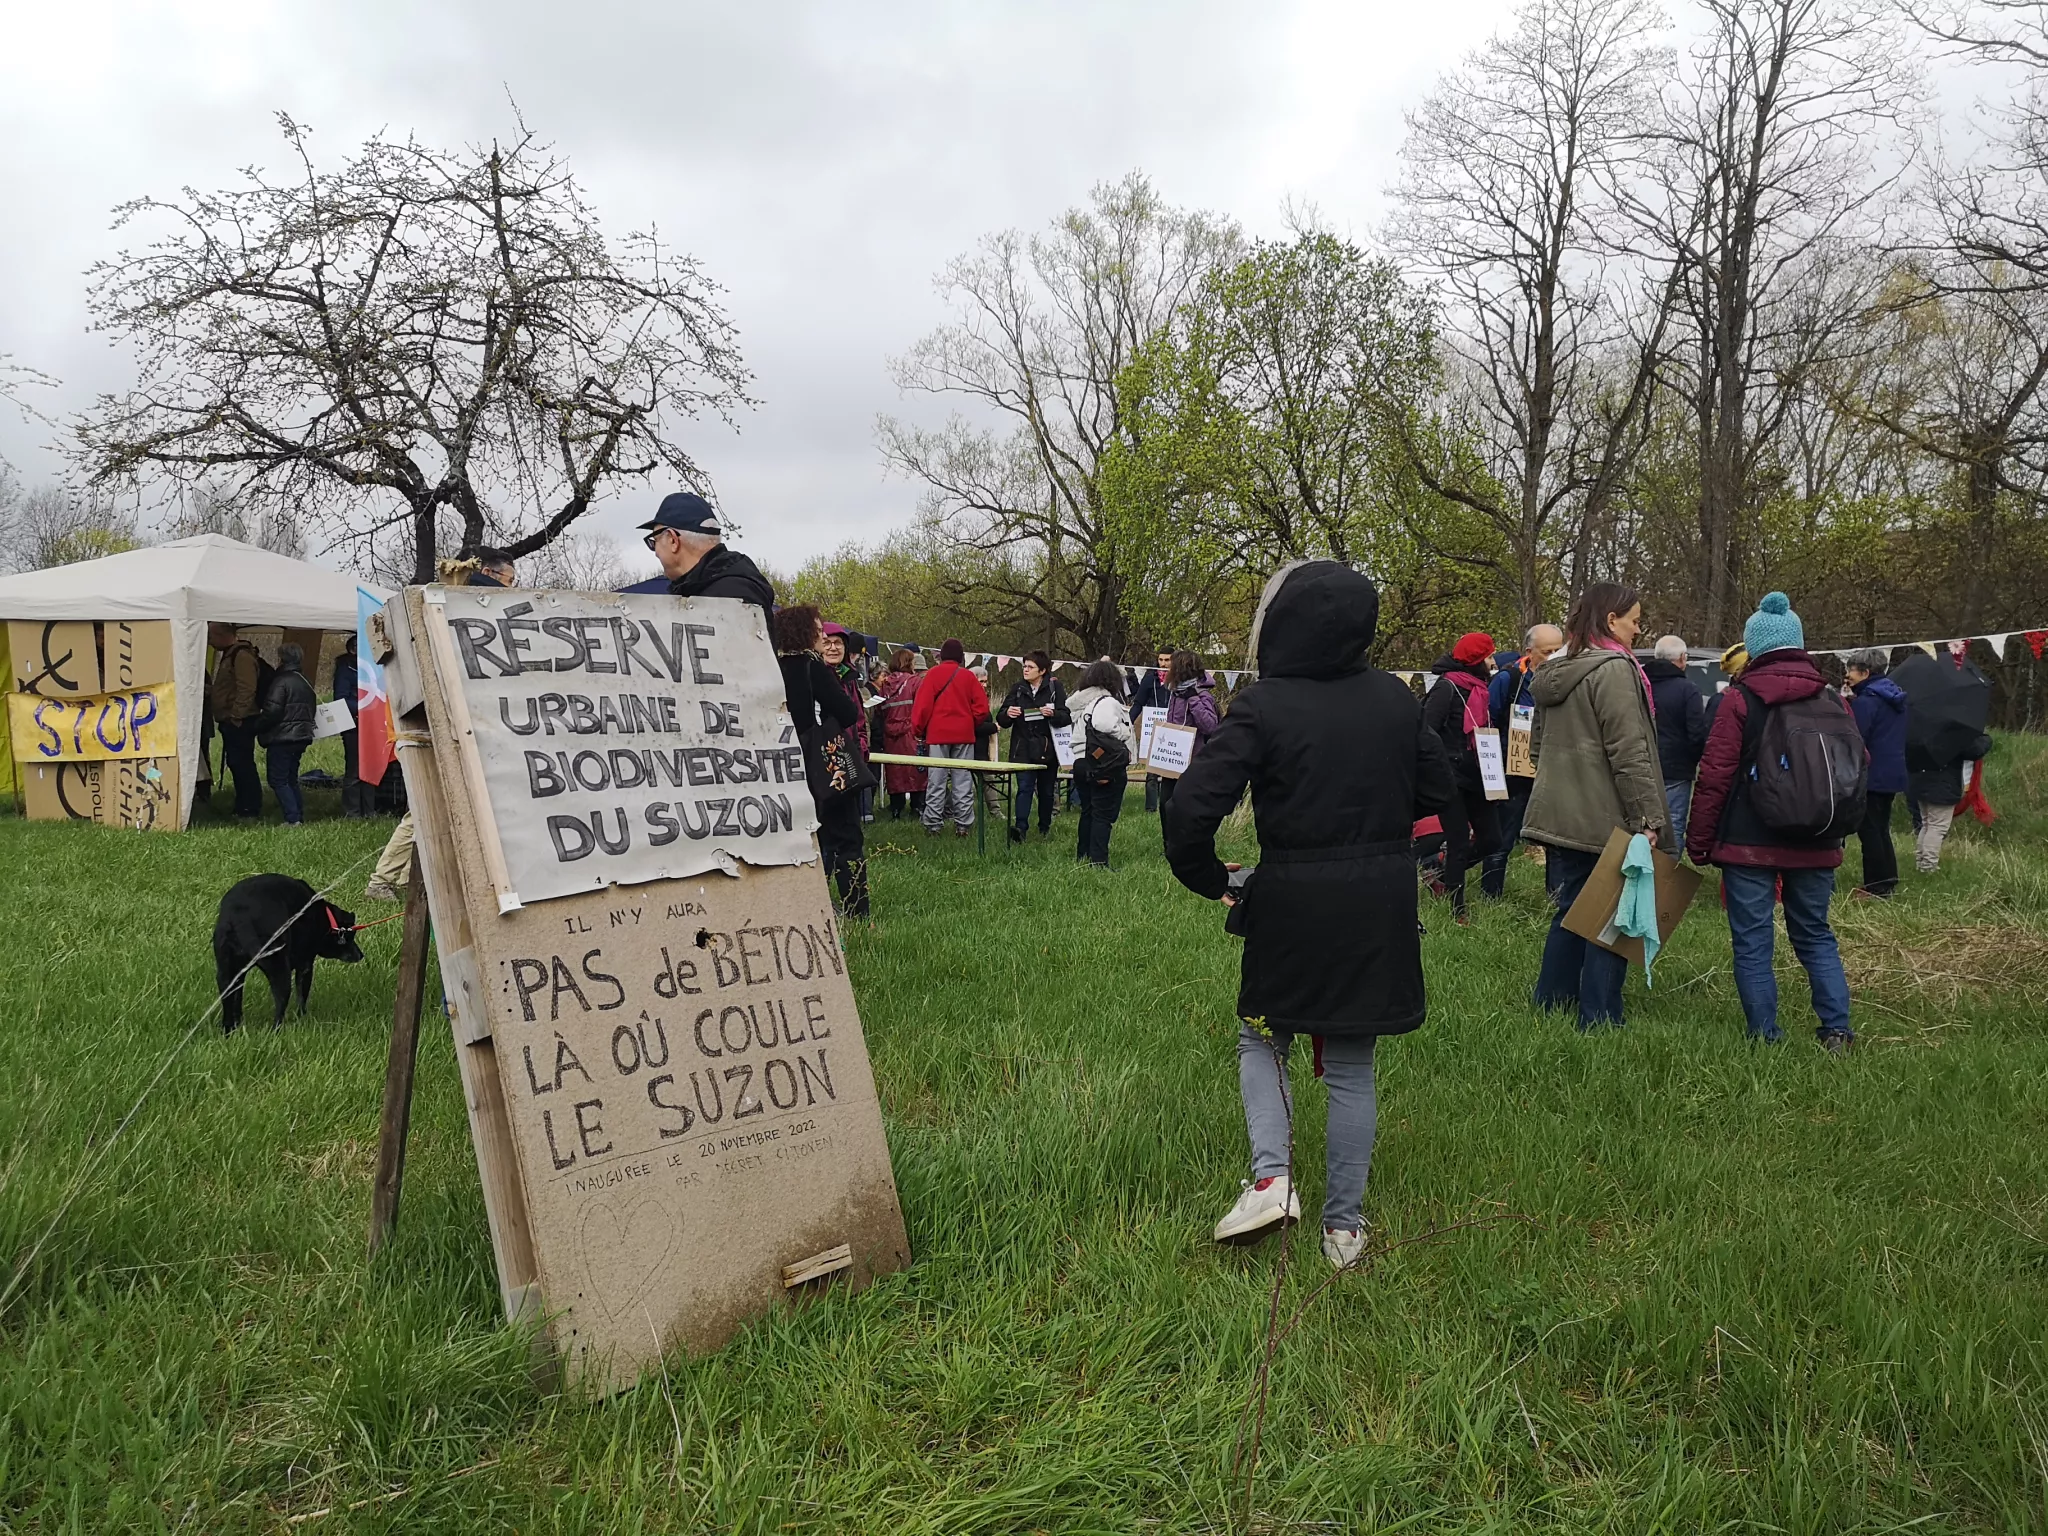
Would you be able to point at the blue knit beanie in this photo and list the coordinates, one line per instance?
(1773, 627)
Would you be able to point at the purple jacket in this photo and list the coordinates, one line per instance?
(1195, 704)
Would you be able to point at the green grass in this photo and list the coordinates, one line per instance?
(1753, 1289)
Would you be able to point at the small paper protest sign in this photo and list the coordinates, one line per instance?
(1173, 749)
(1493, 774)
(332, 719)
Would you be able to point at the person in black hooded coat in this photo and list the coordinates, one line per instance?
(1340, 768)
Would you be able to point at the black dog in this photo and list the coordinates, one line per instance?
(257, 922)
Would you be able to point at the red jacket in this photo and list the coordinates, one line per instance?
(1777, 677)
(949, 701)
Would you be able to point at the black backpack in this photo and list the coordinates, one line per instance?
(1106, 756)
(1809, 771)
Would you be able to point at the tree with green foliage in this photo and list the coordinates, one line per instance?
(1045, 327)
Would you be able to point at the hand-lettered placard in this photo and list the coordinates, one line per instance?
(669, 1090)
(627, 738)
(136, 722)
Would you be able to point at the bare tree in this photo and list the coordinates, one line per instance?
(205, 509)
(1771, 160)
(420, 330)
(1046, 326)
(578, 561)
(1508, 196)
(58, 525)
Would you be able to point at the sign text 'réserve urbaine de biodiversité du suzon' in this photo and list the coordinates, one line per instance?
(632, 744)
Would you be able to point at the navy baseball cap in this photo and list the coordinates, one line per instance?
(686, 512)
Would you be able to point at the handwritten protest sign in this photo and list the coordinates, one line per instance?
(640, 740)
(1150, 718)
(674, 1115)
(1521, 741)
(136, 722)
(1173, 749)
(1493, 776)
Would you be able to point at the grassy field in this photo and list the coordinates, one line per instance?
(1728, 1288)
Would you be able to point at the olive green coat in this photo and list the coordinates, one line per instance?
(1595, 746)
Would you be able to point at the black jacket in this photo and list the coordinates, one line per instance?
(813, 693)
(1443, 714)
(1148, 691)
(1681, 721)
(287, 718)
(1339, 768)
(345, 680)
(726, 573)
(1031, 734)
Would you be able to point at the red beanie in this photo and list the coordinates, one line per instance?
(1472, 649)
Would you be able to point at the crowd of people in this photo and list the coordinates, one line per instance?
(1350, 777)
(1765, 779)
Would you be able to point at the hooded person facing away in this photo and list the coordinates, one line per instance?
(1340, 768)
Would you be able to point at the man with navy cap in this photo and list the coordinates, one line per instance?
(686, 537)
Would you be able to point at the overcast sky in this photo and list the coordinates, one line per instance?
(823, 160)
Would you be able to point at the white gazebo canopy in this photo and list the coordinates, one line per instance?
(189, 583)
(208, 578)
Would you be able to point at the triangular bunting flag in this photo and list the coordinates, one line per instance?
(1997, 644)
(2037, 638)
(1958, 649)
(1925, 645)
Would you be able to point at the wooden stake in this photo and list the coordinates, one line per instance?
(398, 1068)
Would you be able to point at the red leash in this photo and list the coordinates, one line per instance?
(359, 927)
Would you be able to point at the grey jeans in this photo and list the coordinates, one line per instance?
(1678, 801)
(1353, 1117)
(948, 786)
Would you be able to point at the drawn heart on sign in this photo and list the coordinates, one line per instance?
(624, 1245)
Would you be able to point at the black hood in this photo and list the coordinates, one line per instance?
(1316, 619)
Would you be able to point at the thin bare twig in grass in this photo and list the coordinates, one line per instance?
(1372, 1256)
(1528, 1423)
(382, 1498)
(99, 1155)
(667, 1396)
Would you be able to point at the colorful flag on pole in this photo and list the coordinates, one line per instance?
(374, 747)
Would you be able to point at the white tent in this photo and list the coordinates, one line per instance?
(192, 583)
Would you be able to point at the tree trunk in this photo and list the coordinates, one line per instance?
(424, 553)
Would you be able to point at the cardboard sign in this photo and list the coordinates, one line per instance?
(137, 654)
(140, 793)
(1521, 741)
(625, 737)
(62, 791)
(137, 722)
(1150, 718)
(674, 1116)
(332, 719)
(1063, 739)
(1493, 777)
(1173, 749)
(1677, 884)
(58, 659)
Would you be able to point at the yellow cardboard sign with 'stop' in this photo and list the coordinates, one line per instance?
(135, 722)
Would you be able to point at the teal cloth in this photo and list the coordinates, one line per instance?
(1636, 916)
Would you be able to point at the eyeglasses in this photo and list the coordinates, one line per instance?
(654, 538)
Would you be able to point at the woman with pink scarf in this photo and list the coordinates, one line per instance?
(1455, 709)
(1595, 745)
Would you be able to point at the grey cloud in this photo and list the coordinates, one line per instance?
(822, 160)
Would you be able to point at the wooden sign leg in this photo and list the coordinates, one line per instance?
(398, 1069)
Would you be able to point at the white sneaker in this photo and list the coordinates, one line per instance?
(1343, 1249)
(1260, 1209)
